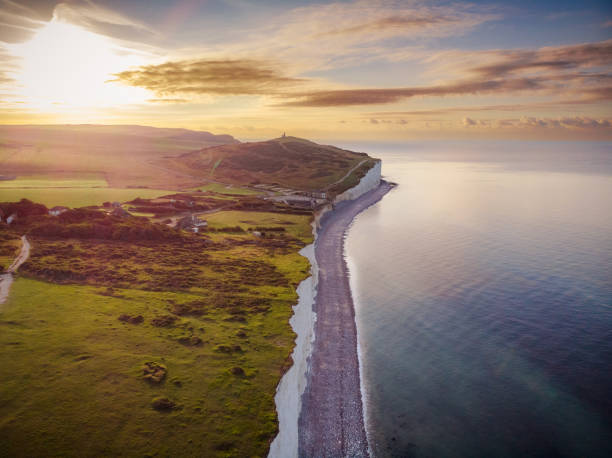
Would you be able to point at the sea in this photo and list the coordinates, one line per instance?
(483, 294)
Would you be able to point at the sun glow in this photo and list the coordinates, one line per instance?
(65, 66)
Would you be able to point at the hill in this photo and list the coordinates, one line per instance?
(121, 154)
(287, 162)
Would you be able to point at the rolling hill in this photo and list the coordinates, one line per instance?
(122, 154)
(288, 162)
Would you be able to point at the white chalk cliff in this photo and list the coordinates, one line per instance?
(293, 383)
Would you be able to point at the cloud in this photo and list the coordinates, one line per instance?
(347, 97)
(572, 123)
(208, 77)
(603, 94)
(104, 21)
(19, 22)
(585, 122)
(346, 33)
(386, 24)
(169, 101)
(546, 59)
(8, 64)
(575, 70)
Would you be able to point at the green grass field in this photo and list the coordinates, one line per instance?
(58, 180)
(72, 373)
(294, 224)
(71, 382)
(78, 197)
(228, 189)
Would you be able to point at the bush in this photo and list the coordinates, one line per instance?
(154, 372)
(163, 404)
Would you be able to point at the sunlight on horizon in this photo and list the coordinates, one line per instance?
(65, 66)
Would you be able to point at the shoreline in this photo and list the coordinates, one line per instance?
(331, 419)
(293, 383)
(289, 391)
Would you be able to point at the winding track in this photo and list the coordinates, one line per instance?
(331, 419)
(6, 279)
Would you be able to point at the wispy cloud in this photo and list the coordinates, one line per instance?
(545, 59)
(577, 122)
(388, 24)
(348, 97)
(533, 122)
(105, 21)
(340, 34)
(605, 94)
(209, 77)
(583, 70)
(19, 21)
(8, 64)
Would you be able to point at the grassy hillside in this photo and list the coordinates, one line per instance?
(122, 154)
(125, 336)
(287, 162)
(71, 158)
(87, 314)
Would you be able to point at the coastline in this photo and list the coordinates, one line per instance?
(331, 419)
(290, 390)
(293, 383)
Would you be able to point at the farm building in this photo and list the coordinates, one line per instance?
(190, 223)
(317, 194)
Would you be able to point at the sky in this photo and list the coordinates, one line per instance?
(348, 70)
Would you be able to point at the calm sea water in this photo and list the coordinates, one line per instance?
(483, 288)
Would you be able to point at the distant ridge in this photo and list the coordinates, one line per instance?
(124, 155)
(44, 130)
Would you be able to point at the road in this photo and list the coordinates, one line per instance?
(6, 279)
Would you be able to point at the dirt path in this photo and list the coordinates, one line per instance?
(283, 146)
(331, 420)
(6, 279)
(345, 176)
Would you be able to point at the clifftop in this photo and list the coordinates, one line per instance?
(289, 162)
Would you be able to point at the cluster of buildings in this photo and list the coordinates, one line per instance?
(191, 223)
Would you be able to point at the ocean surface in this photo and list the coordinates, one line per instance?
(483, 290)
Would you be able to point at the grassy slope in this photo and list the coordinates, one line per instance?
(289, 162)
(71, 371)
(71, 384)
(227, 189)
